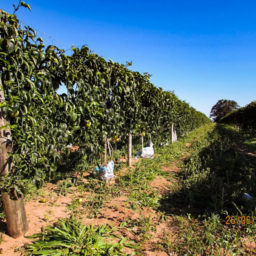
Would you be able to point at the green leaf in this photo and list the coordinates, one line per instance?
(27, 6)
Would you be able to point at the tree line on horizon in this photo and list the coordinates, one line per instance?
(228, 111)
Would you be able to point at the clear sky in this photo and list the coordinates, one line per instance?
(203, 50)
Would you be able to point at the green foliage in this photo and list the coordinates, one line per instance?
(221, 108)
(103, 98)
(144, 227)
(144, 199)
(69, 237)
(210, 187)
(209, 237)
(29, 76)
(100, 192)
(63, 187)
(217, 174)
(244, 117)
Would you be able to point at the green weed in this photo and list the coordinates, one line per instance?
(208, 237)
(143, 199)
(69, 237)
(63, 187)
(94, 204)
(75, 204)
(141, 227)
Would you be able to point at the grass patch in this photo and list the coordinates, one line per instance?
(209, 236)
(213, 179)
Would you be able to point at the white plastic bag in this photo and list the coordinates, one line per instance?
(109, 173)
(148, 152)
(105, 172)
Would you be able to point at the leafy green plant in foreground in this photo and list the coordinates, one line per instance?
(69, 237)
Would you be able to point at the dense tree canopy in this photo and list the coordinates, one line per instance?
(243, 117)
(104, 98)
(221, 108)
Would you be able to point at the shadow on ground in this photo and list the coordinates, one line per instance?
(215, 178)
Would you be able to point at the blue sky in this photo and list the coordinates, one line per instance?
(202, 50)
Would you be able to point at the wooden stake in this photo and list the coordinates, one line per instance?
(14, 209)
(150, 139)
(142, 143)
(106, 151)
(172, 135)
(130, 150)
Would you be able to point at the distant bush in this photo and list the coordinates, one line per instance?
(244, 117)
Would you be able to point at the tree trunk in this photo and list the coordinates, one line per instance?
(14, 208)
(15, 213)
(130, 150)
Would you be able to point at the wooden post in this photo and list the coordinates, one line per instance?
(142, 143)
(14, 208)
(172, 135)
(130, 150)
(106, 151)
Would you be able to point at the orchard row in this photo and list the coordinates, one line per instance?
(104, 98)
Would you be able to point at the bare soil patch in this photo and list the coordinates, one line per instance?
(160, 184)
(171, 168)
